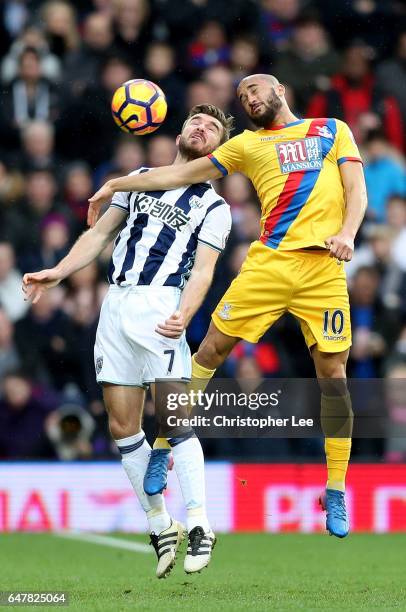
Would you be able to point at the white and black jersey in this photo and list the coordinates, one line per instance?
(157, 246)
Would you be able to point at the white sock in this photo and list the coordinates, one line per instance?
(135, 452)
(189, 465)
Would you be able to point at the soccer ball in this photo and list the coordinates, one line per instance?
(139, 107)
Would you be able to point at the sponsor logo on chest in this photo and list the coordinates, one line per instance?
(296, 155)
(173, 216)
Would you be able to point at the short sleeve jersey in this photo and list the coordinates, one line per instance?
(158, 243)
(295, 171)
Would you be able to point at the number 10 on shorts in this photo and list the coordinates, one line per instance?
(333, 322)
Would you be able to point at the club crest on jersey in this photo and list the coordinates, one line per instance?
(297, 155)
(324, 131)
(195, 202)
(225, 312)
(99, 364)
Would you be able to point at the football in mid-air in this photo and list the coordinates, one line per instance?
(139, 107)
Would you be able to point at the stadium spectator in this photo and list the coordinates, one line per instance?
(392, 279)
(395, 447)
(160, 65)
(82, 307)
(82, 65)
(397, 220)
(247, 225)
(81, 282)
(209, 48)
(181, 19)
(9, 358)
(55, 242)
(60, 27)
(225, 272)
(354, 98)
(161, 151)
(13, 227)
(11, 187)
(85, 279)
(13, 17)
(101, 6)
(244, 57)
(197, 91)
(277, 19)
(29, 96)
(41, 190)
(33, 37)
(220, 79)
(396, 213)
(397, 354)
(87, 118)
(385, 176)
(128, 155)
(40, 200)
(77, 189)
(237, 191)
(249, 374)
(42, 341)
(264, 356)
(69, 430)
(11, 297)
(132, 29)
(23, 411)
(309, 62)
(371, 21)
(236, 256)
(374, 327)
(38, 140)
(391, 77)
(6, 34)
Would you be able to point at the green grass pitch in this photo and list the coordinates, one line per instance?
(248, 572)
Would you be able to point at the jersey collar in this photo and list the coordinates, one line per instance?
(284, 125)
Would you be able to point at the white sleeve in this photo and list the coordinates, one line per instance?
(216, 226)
(121, 199)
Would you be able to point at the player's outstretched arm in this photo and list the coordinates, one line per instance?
(85, 250)
(165, 177)
(193, 294)
(342, 244)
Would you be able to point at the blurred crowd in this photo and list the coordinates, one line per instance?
(60, 62)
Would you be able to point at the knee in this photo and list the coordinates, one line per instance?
(331, 370)
(330, 365)
(120, 428)
(212, 353)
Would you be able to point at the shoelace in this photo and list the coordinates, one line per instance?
(338, 507)
(195, 538)
(158, 468)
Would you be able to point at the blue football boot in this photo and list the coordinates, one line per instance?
(333, 502)
(156, 476)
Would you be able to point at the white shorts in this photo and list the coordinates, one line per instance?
(128, 350)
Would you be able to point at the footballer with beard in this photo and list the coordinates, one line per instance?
(160, 270)
(309, 178)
